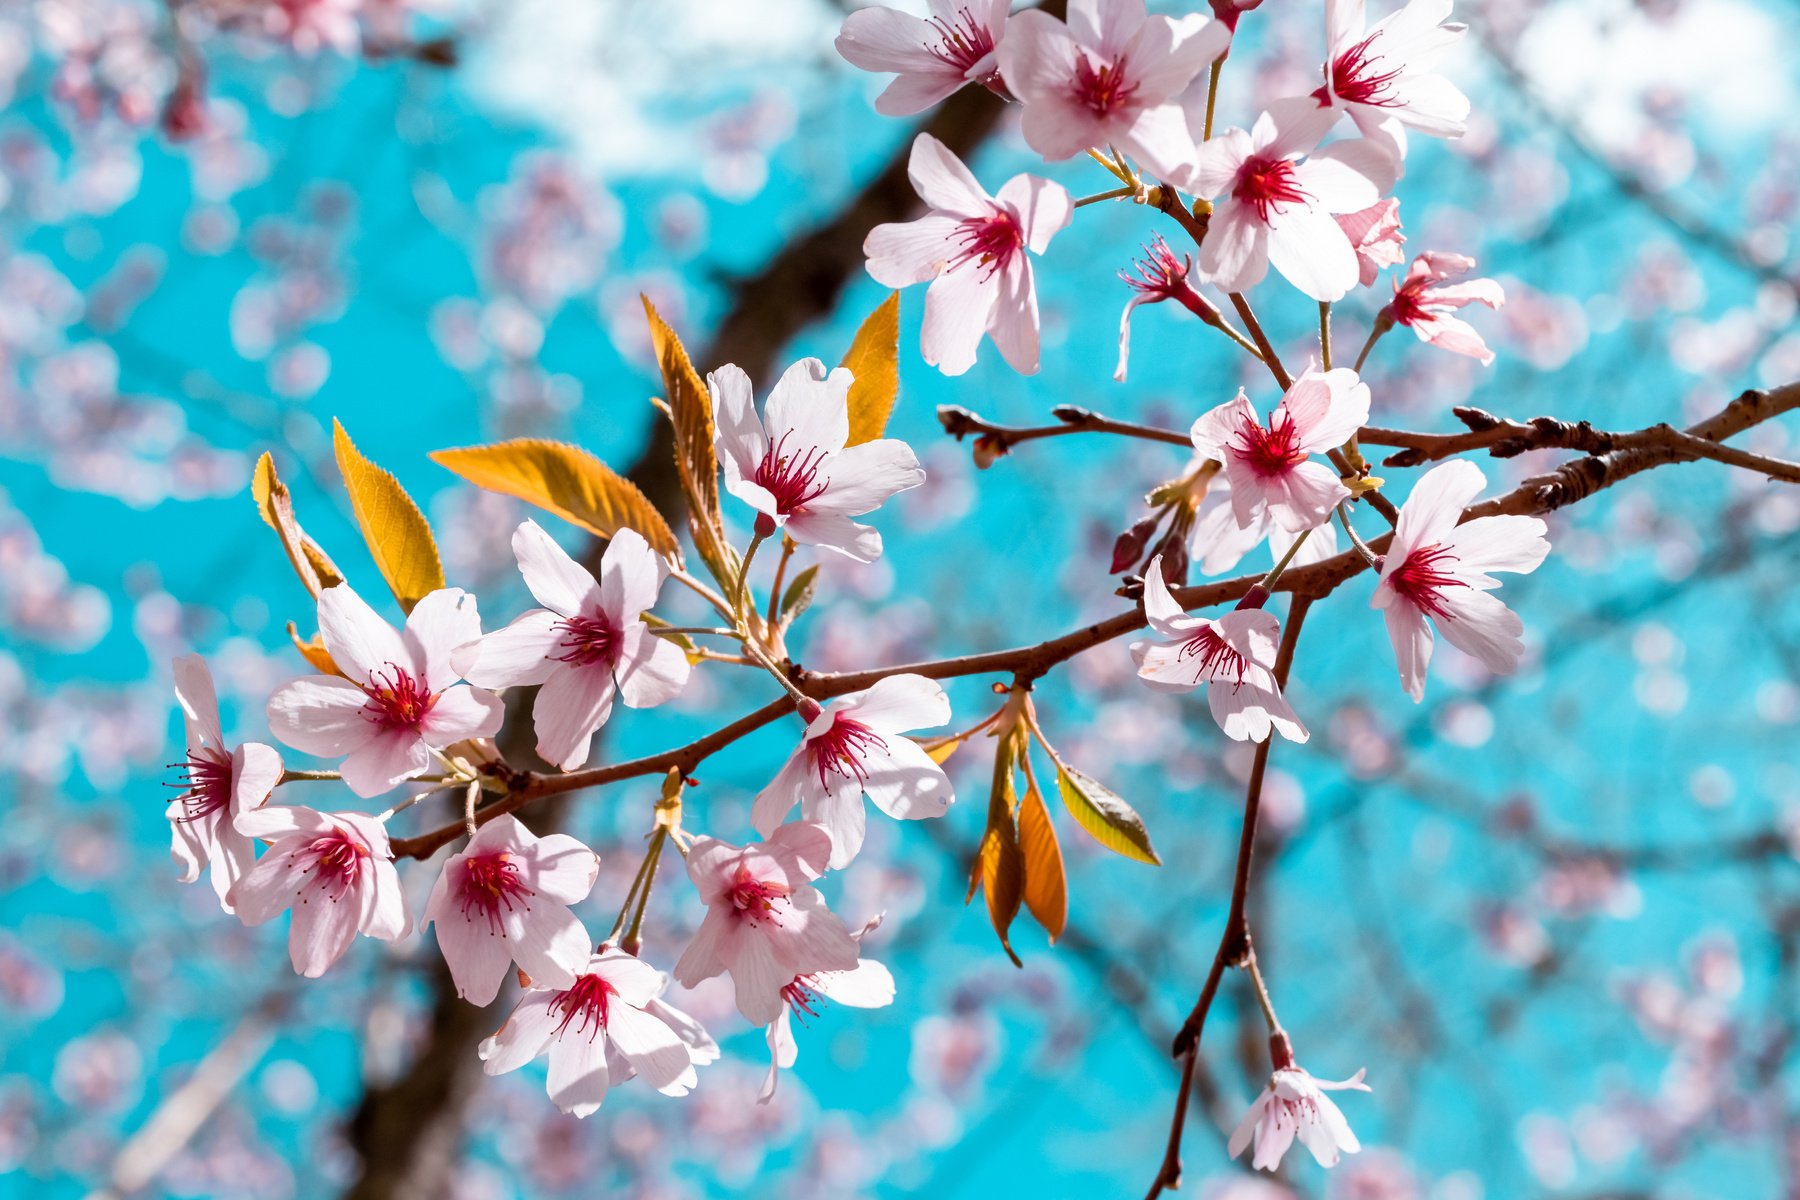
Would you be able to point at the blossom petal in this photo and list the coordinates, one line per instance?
(558, 582)
(361, 643)
(571, 705)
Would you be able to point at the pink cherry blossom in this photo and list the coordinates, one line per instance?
(867, 985)
(765, 922)
(600, 1030)
(505, 899)
(397, 700)
(1385, 78)
(1294, 1105)
(1160, 276)
(1269, 466)
(220, 784)
(931, 57)
(853, 746)
(1274, 197)
(1111, 76)
(1424, 303)
(1438, 569)
(791, 464)
(1218, 543)
(1375, 235)
(1234, 656)
(333, 869)
(313, 25)
(588, 641)
(971, 247)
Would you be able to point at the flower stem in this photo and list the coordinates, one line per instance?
(1115, 194)
(1212, 97)
(1374, 336)
(1362, 547)
(1325, 334)
(787, 552)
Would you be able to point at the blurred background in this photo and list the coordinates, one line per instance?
(1557, 917)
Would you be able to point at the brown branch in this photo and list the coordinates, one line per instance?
(959, 423)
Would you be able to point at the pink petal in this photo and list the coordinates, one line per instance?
(527, 1032)
(840, 811)
(386, 759)
(1434, 507)
(1411, 638)
(865, 476)
(518, 655)
(903, 253)
(652, 1048)
(905, 783)
(578, 1076)
(440, 624)
(557, 580)
(320, 714)
(361, 643)
(463, 712)
(809, 408)
(652, 670)
(199, 702)
(830, 532)
(900, 702)
(943, 182)
(571, 705)
(1311, 251)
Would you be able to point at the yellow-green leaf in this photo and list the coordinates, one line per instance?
(1045, 885)
(874, 359)
(999, 870)
(314, 567)
(690, 413)
(565, 480)
(398, 535)
(314, 652)
(798, 597)
(1108, 819)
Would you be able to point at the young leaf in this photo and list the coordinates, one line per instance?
(690, 412)
(799, 596)
(397, 532)
(1112, 822)
(874, 359)
(314, 567)
(1046, 888)
(567, 481)
(998, 869)
(314, 652)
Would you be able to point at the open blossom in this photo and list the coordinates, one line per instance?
(220, 784)
(398, 699)
(853, 746)
(931, 57)
(971, 247)
(765, 922)
(1294, 1105)
(1111, 76)
(1160, 276)
(1386, 78)
(1424, 303)
(1218, 543)
(1234, 656)
(791, 464)
(1274, 197)
(333, 869)
(1437, 569)
(1374, 234)
(505, 899)
(1269, 466)
(867, 985)
(600, 1030)
(588, 641)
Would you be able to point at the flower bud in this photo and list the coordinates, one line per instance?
(1129, 548)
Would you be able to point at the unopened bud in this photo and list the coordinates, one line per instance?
(1174, 551)
(988, 449)
(765, 525)
(1129, 548)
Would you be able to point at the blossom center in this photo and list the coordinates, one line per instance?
(1214, 657)
(963, 40)
(1159, 272)
(803, 996)
(491, 883)
(989, 241)
(336, 864)
(207, 787)
(587, 640)
(1406, 308)
(1101, 89)
(792, 478)
(1264, 183)
(1357, 77)
(757, 898)
(397, 699)
(584, 1005)
(1269, 451)
(841, 749)
(1423, 576)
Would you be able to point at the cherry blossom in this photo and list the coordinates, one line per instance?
(505, 899)
(1437, 569)
(971, 247)
(1294, 1105)
(333, 869)
(588, 641)
(853, 746)
(1160, 276)
(1218, 543)
(599, 1030)
(220, 784)
(931, 57)
(765, 922)
(1385, 78)
(868, 985)
(1234, 656)
(313, 25)
(1269, 466)
(1274, 197)
(791, 464)
(1374, 233)
(1424, 303)
(398, 699)
(1111, 76)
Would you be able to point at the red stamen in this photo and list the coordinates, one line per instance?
(990, 241)
(490, 883)
(1101, 89)
(1420, 580)
(964, 42)
(1356, 78)
(396, 700)
(587, 640)
(1267, 182)
(1269, 451)
(841, 749)
(337, 861)
(757, 899)
(793, 479)
(802, 994)
(207, 788)
(1216, 657)
(587, 1000)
